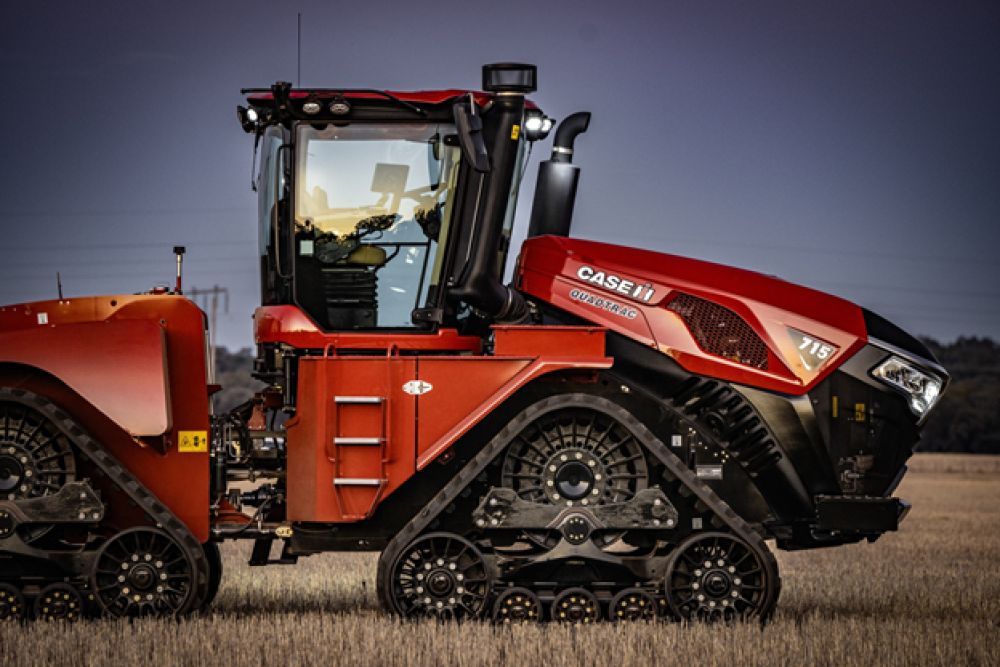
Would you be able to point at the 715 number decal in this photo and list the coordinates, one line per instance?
(813, 352)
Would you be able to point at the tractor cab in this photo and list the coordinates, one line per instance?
(390, 211)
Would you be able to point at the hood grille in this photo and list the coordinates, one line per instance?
(720, 331)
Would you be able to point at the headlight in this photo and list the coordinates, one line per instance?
(922, 387)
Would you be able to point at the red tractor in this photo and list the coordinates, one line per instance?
(614, 434)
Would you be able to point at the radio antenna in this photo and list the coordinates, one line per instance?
(59, 285)
(298, 65)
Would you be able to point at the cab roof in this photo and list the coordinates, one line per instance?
(264, 97)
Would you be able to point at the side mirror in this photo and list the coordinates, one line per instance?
(470, 137)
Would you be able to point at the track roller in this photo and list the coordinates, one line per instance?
(632, 604)
(439, 575)
(11, 603)
(576, 606)
(59, 602)
(719, 577)
(517, 605)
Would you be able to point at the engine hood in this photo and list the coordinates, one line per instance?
(714, 320)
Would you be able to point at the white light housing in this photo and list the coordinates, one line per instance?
(252, 115)
(533, 123)
(311, 108)
(536, 126)
(921, 386)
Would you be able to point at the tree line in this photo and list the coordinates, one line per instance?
(967, 419)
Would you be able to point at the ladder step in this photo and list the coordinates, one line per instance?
(357, 481)
(358, 400)
(357, 441)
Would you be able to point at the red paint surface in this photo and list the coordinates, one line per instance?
(132, 392)
(291, 326)
(179, 480)
(548, 270)
(416, 428)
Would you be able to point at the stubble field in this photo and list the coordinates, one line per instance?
(929, 594)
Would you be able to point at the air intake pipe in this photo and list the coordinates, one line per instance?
(555, 190)
(479, 282)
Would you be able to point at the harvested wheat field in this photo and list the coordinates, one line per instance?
(929, 594)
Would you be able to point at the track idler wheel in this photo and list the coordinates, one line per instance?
(143, 572)
(517, 605)
(11, 603)
(633, 604)
(719, 577)
(442, 576)
(214, 557)
(59, 602)
(577, 606)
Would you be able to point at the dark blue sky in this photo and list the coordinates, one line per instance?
(849, 146)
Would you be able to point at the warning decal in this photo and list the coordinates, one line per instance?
(192, 441)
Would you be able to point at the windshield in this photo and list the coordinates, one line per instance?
(372, 204)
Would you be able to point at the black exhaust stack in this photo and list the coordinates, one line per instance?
(555, 190)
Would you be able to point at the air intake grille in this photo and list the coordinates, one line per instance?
(720, 331)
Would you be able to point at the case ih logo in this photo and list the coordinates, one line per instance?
(613, 283)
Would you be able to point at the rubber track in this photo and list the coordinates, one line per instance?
(654, 445)
(159, 513)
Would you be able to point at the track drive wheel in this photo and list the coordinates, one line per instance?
(517, 605)
(11, 603)
(59, 602)
(632, 604)
(577, 606)
(439, 575)
(718, 577)
(36, 459)
(143, 572)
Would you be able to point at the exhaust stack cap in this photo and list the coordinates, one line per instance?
(517, 78)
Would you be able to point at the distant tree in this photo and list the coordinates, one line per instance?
(967, 419)
(232, 371)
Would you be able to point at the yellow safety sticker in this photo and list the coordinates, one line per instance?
(836, 407)
(189, 442)
(859, 412)
(515, 132)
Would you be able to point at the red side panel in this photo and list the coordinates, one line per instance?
(631, 291)
(132, 392)
(291, 326)
(456, 388)
(365, 425)
(105, 361)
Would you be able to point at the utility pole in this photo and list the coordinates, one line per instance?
(210, 302)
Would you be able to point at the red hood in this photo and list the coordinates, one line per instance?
(634, 291)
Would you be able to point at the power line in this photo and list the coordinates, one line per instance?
(117, 246)
(123, 212)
